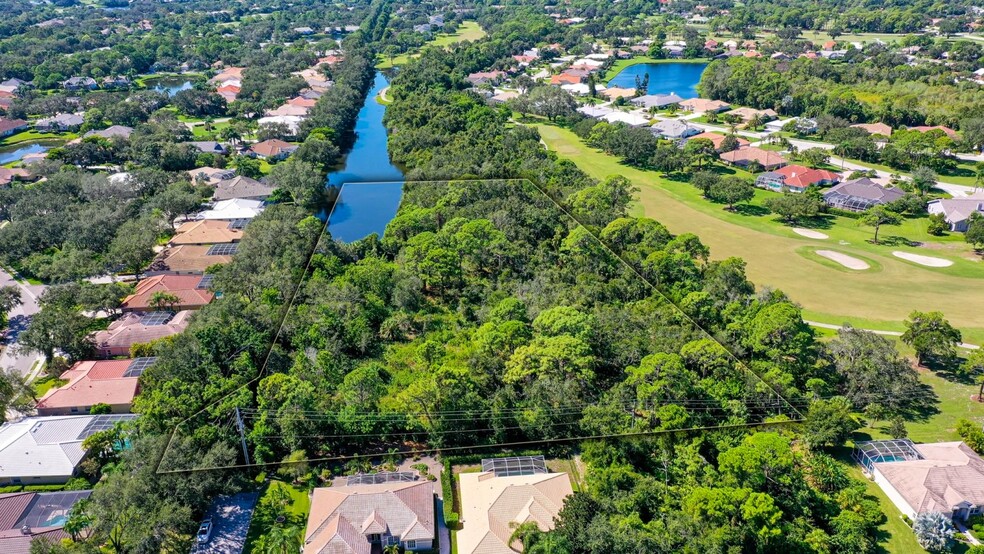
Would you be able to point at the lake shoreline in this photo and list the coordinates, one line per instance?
(621, 65)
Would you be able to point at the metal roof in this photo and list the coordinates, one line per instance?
(519, 465)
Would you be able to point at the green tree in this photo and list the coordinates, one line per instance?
(793, 206)
(934, 531)
(133, 246)
(974, 366)
(304, 182)
(815, 157)
(176, 200)
(931, 336)
(700, 150)
(974, 235)
(924, 179)
(829, 423)
(247, 167)
(731, 190)
(10, 298)
(162, 300)
(16, 394)
(877, 216)
(57, 328)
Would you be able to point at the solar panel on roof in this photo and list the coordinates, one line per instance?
(156, 318)
(222, 249)
(103, 423)
(519, 465)
(138, 365)
(206, 282)
(239, 223)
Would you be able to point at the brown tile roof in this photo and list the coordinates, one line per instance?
(12, 507)
(704, 105)
(272, 147)
(206, 231)
(91, 383)
(11, 124)
(187, 259)
(129, 330)
(749, 154)
(340, 516)
(799, 176)
(875, 128)
(182, 286)
(241, 187)
(717, 139)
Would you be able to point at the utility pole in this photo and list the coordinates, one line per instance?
(242, 434)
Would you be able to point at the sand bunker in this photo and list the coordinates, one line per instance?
(849, 262)
(810, 234)
(922, 260)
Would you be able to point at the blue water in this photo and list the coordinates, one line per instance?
(16, 155)
(172, 85)
(664, 78)
(371, 185)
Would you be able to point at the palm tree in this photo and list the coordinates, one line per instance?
(392, 549)
(755, 122)
(978, 175)
(280, 540)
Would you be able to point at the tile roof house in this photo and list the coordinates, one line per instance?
(360, 519)
(80, 83)
(566, 78)
(491, 506)
(242, 187)
(674, 129)
(288, 109)
(8, 176)
(138, 328)
(208, 147)
(745, 156)
(272, 149)
(47, 450)
(795, 178)
(746, 114)
(234, 208)
(11, 126)
(482, 77)
(927, 128)
(658, 101)
(860, 194)
(875, 128)
(188, 259)
(91, 383)
(616, 92)
(717, 139)
(946, 477)
(958, 211)
(121, 131)
(185, 287)
(207, 231)
(703, 105)
(26, 516)
(60, 122)
(211, 175)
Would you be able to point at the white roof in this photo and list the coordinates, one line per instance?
(293, 122)
(489, 504)
(595, 111)
(234, 208)
(581, 88)
(632, 119)
(45, 446)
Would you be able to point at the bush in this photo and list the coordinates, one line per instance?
(78, 484)
(451, 518)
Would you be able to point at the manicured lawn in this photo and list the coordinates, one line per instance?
(896, 536)
(619, 65)
(296, 511)
(41, 386)
(32, 135)
(882, 299)
(468, 30)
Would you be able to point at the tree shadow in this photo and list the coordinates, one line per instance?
(751, 210)
(894, 240)
(815, 222)
(924, 405)
(948, 369)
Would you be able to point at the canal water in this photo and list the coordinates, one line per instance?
(371, 186)
(664, 78)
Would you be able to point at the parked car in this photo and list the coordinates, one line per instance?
(205, 531)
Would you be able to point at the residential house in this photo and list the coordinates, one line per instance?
(795, 178)
(595, 112)
(60, 123)
(11, 126)
(582, 89)
(702, 105)
(927, 128)
(228, 92)
(958, 211)
(630, 119)
(305, 31)
(233, 209)
(717, 139)
(860, 194)
(613, 93)
(206, 231)
(110, 382)
(191, 259)
(674, 129)
(359, 519)
(746, 156)
(80, 83)
(504, 96)
(16, 84)
(303, 102)
(209, 147)
(746, 114)
(48, 450)
(140, 328)
(945, 477)
(482, 77)
(272, 149)
(569, 77)
(658, 101)
(494, 503)
(186, 288)
(288, 109)
(210, 175)
(115, 131)
(291, 122)
(8, 176)
(242, 187)
(875, 128)
(26, 517)
(118, 81)
(228, 74)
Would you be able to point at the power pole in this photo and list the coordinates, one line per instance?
(242, 434)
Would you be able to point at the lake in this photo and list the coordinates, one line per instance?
(171, 85)
(371, 186)
(664, 78)
(15, 153)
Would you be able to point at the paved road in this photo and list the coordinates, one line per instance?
(230, 516)
(878, 332)
(19, 317)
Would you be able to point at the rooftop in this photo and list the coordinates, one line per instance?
(48, 446)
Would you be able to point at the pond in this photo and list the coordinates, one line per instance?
(371, 186)
(171, 85)
(16, 152)
(664, 78)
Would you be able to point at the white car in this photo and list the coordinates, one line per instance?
(205, 531)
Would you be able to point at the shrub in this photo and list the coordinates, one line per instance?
(934, 531)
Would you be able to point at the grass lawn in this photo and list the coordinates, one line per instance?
(264, 518)
(32, 135)
(619, 65)
(881, 299)
(43, 385)
(468, 30)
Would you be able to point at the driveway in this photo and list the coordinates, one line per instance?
(19, 317)
(231, 516)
